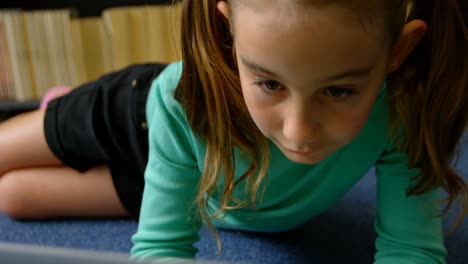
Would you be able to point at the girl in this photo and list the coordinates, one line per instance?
(277, 109)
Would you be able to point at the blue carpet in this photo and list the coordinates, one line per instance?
(343, 234)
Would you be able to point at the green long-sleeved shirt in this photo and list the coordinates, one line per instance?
(406, 227)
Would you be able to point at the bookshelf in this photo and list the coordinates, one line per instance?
(82, 9)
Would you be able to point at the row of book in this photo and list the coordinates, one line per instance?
(46, 48)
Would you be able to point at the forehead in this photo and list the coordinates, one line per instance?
(366, 12)
(304, 45)
(362, 5)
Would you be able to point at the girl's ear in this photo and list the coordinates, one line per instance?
(411, 34)
(225, 9)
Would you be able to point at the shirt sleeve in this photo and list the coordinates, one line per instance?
(408, 228)
(168, 226)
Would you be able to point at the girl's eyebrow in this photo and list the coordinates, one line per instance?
(351, 74)
(257, 67)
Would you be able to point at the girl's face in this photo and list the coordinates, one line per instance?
(309, 75)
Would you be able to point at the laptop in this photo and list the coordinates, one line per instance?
(11, 253)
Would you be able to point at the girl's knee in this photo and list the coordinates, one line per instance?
(13, 195)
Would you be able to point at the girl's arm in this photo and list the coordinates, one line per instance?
(408, 228)
(168, 227)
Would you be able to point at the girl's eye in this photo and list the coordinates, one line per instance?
(269, 85)
(339, 92)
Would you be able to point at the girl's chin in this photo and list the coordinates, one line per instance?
(309, 160)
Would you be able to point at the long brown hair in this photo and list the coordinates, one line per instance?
(429, 96)
(211, 95)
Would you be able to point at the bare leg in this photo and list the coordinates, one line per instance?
(51, 192)
(35, 184)
(23, 143)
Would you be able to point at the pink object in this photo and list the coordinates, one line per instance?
(52, 94)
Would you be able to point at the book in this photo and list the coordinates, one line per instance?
(117, 27)
(96, 47)
(19, 61)
(164, 33)
(77, 52)
(35, 31)
(4, 65)
(6, 74)
(143, 34)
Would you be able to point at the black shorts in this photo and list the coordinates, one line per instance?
(104, 122)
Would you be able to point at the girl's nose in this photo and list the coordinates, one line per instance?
(300, 127)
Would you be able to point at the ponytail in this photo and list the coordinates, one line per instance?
(429, 96)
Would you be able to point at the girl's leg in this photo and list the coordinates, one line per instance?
(35, 184)
(23, 143)
(51, 192)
